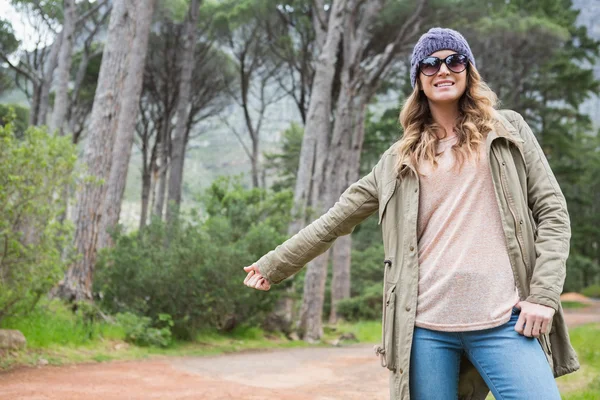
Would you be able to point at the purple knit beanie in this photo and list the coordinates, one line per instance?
(437, 39)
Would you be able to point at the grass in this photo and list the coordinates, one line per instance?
(56, 336)
(573, 304)
(584, 384)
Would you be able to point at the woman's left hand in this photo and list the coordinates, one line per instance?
(535, 317)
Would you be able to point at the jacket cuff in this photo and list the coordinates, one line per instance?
(269, 273)
(544, 297)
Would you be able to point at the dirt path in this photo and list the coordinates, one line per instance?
(349, 373)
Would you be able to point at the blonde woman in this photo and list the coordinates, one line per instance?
(476, 235)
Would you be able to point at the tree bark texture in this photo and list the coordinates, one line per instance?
(77, 283)
(163, 168)
(310, 327)
(65, 58)
(183, 111)
(127, 121)
(52, 63)
(148, 168)
(34, 103)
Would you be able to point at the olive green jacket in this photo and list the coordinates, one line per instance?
(536, 226)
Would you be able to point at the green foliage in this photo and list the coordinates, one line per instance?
(15, 114)
(572, 304)
(286, 161)
(192, 270)
(33, 172)
(592, 291)
(380, 134)
(367, 306)
(53, 323)
(139, 330)
(8, 41)
(582, 271)
(366, 284)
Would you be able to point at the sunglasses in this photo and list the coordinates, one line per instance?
(455, 62)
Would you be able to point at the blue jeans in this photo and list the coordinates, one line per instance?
(512, 365)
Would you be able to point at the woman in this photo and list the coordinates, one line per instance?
(476, 235)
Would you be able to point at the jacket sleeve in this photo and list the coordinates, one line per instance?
(549, 210)
(358, 202)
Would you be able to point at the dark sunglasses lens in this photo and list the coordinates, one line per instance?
(430, 65)
(456, 62)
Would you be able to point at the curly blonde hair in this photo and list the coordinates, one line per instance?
(476, 108)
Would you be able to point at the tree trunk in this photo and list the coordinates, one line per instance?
(340, 280)
(161, 186)
(146, 186)
(312, 154)
(183, 110)
(254, 160)
(127, 121)
(65, 58)
(310, 326)
(52, 64)
(35, 104)
(77, 283)
(342, 171)
(358, 86)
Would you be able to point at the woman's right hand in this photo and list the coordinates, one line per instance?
(255, 279)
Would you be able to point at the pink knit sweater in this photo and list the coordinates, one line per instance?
(465, 277)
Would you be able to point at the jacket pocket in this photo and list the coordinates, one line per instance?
(388, 191)
(544, 340)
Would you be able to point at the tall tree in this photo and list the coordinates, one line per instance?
(312, 157)
(363, 69)
(77, 283)
(126, 121)
(211, 75)
(183, 109)
(241, 28)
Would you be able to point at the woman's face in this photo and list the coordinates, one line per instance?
(433, 86)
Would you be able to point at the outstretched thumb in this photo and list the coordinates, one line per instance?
(249, 268)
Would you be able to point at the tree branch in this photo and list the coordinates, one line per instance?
(380, 64)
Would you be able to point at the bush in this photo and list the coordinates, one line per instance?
(52, 322)
(592, 291)
(367, 306)
(193, 271)
(139, 330)
(17, 116)
(581, 272)
(33, 172)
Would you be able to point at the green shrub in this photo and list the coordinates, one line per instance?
(139, 330)
(52, 322)
(17, 116)
(364, 307)
(34, 169)
(592, 291)
(192, 270)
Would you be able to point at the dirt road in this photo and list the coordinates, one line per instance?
(346, 373)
